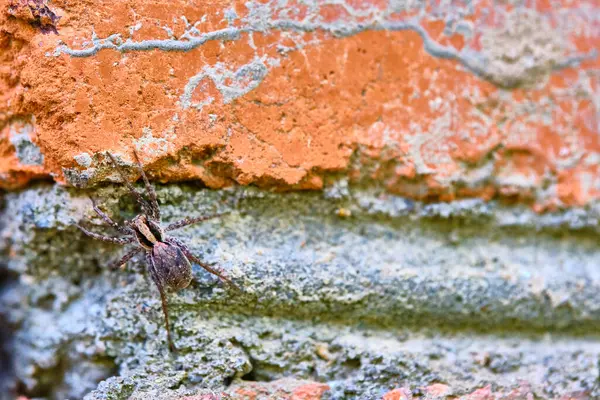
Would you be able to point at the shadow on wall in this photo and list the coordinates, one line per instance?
(7, 381)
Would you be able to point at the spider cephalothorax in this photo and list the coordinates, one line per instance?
(167, 257)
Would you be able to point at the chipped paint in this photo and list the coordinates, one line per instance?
(156, 146)
(83, 159)
(231, 84)
(27, 151)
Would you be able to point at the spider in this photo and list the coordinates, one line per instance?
(167, 258)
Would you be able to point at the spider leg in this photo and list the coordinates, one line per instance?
(212, 269)
(104, 238)
(108, 220)
(123, 260)
(149, 189)
(191, 221)
(134, 192)
(163, 298)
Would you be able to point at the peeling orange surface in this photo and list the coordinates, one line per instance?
(456, 100)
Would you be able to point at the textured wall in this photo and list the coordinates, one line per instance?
(399, 295)
(438, 237)
(431, 99)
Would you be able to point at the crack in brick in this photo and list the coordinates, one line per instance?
(260, 20)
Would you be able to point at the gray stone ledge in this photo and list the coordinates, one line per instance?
(360, 290)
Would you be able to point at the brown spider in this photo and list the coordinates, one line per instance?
(168, 259)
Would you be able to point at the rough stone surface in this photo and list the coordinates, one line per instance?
(431, 100)
(388, 294)
(413, 187)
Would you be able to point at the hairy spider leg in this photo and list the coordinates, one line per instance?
(191, 221)
(213, 270)
(123, 260)
(108, 220)
(134, 192)
(104, 238)
(149, 188)
(163, 298)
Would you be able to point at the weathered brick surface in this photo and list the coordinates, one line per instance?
(285, 389)
(431, 100)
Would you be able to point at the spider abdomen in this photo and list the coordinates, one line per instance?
(172, 266)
